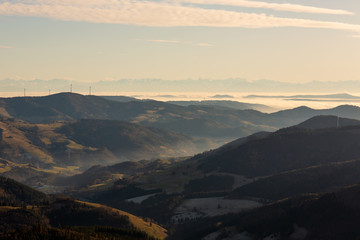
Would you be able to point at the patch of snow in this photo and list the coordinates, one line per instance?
(208, 207)
(140, 199)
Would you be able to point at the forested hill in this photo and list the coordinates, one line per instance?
(286, 149)
(27, 214)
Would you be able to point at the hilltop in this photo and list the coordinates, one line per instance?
(284, 150)
(59, 217)
(328, 122)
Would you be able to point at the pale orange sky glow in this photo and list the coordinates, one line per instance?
(89, 41)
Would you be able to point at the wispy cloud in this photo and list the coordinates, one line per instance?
(5, 47)
(157, 14)
(288, 7)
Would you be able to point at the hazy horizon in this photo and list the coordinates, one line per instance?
(271, 93)
(295, 42)
(192, 49)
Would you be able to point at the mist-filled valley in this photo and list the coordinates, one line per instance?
(179, 120)
(113, 167)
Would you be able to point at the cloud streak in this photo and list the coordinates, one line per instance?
(156, 14)
(288, 7)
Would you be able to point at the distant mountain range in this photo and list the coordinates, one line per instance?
(290, 117)
(309, 96)
(217, 87)
(219, 103)
(334, 98)
(228, 104)
(195, 120)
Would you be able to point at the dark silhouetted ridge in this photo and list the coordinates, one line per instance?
(286, 149)
(328, 122)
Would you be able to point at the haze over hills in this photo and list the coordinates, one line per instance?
(337, 96)
(188, 85)
(197, 193)
(226, 103)
(315, 135)
(179, 120)
(317, 155)
(290, 117)
(197, 121)
(306, 145)
(44, 143)
(36, 151)
(130, 141)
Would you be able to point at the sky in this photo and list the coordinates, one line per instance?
(293, 41)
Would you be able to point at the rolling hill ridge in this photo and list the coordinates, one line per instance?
(286, 149)
(40, 150)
